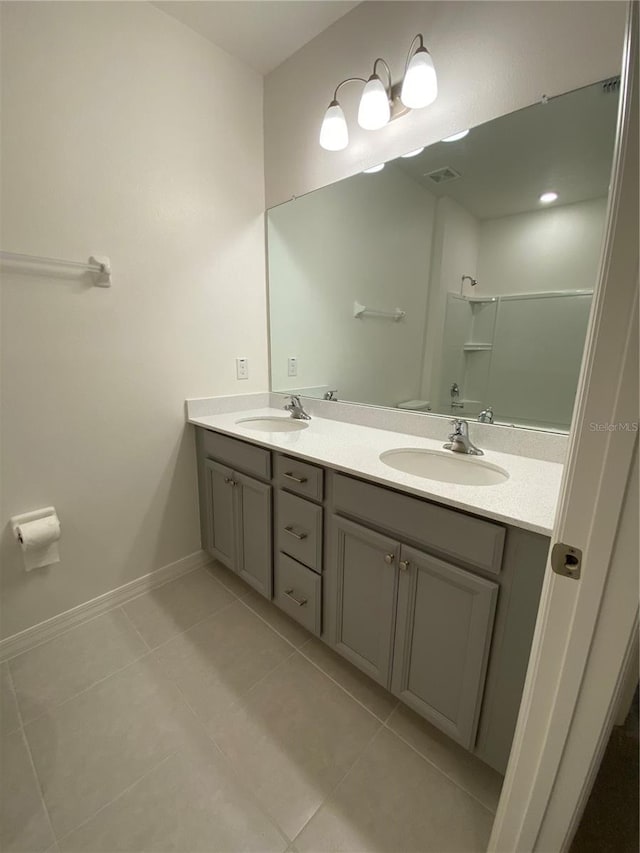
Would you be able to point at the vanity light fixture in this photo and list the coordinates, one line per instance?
(375, 108)
(413, 153)
(380, 103)
(548, 197)
(373, 169)
(456, 136)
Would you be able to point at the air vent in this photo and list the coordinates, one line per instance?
(441, 176)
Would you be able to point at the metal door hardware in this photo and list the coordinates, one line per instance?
(566, 560)
(295, 479)
(403, 565)
(292, 532)
(389, 558)
(299, 601)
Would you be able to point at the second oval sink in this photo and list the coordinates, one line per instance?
(445, 466)
(272, 424)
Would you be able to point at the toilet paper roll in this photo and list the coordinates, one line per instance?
(39, 541)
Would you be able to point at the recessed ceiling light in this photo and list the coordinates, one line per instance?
(413, 153)
(456, 136)
(373, 169)
(548, 197)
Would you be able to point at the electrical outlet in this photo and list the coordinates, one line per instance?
(242, 368)
(292, 366)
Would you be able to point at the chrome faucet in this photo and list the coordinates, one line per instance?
(296, 409)
(454, 393)
(331, 395)
(459, 440)
(486, 415)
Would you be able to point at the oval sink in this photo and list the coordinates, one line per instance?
(273, 424)
(445, 466)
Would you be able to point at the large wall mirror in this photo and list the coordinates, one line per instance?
(456, 278)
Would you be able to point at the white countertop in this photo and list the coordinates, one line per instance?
(527, 499)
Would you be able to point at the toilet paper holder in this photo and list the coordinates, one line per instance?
(17, 520)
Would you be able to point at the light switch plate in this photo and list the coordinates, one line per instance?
(242, 368)
(292, 366)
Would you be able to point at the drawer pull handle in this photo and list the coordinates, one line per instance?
(298, 536)
(299, 601)
(290, 476)
(389, 558)
(230, 481)
(403, 565)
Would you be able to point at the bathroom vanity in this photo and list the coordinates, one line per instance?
(436, 604)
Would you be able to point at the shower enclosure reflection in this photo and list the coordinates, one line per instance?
(448, 282)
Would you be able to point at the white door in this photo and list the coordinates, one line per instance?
(586, 627)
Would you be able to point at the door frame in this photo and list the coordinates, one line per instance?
(586, 628)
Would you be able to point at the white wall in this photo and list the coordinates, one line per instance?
(556, 248)
(366, 239)
(492, 58)
(124, 133)
(455, 254)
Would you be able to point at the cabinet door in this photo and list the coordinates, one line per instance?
(253, 524)
(443, 633)
(221, 539)
(364, 569)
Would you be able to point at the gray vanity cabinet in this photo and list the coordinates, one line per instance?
(220, 510)
(364, 588)
(253, 526)
(443, 632)
(238, 524)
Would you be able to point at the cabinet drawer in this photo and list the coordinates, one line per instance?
(466, 539)
(297, 591)
(299, 529)
(237, 454)
(299, 477)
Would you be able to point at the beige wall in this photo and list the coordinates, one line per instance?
(556, 248)
(367, 240)
(124, 133)
(491, 58)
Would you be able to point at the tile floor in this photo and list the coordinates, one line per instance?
(198, 717)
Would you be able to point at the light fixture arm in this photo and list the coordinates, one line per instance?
(347, 80)
(419, 38)
(388, 70)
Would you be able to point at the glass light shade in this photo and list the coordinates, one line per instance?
(374, 110)
(548, 197)
(413, 153)
(334, 135)
(420, 84)
(373, 169)
(456, 136)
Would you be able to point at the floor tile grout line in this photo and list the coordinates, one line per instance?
(147, 653)
(343, 688)
(269, 625)
(34, 769)
(439, 769)
(195, 624)
(340, 781)
(14, 694)
(98, 615)
(117, 796)
(227, 759)
(132, 624)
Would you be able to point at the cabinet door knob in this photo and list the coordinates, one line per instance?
(228, 481)
(389, 558)
(403, 565)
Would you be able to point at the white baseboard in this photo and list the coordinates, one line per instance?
(43, 631)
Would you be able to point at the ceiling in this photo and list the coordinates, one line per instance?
(261, 33)
(564, 145)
